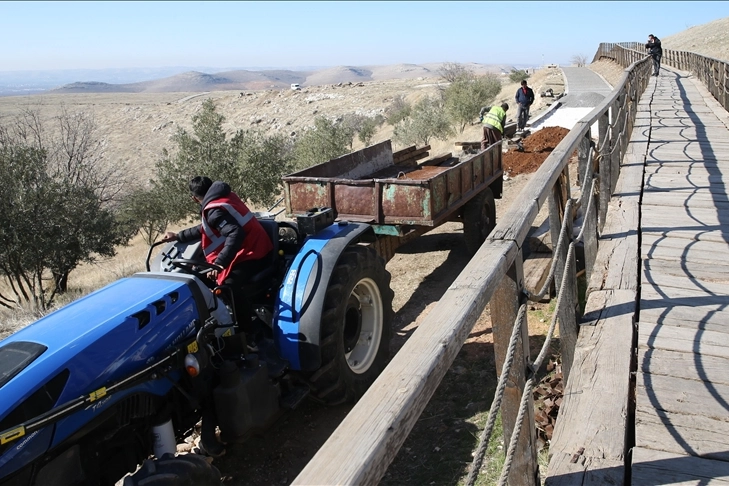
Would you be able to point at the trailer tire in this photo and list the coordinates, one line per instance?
(479, 219)
(355, 327)
(169, 470)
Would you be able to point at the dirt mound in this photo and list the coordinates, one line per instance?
(537, 148)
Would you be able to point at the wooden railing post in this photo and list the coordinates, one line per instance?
(589, 234)
(567, 315)
(583, 151)
(724, 86)
(604, 146)
(505, 303)
(614, 134)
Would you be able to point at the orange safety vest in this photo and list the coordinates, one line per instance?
(256, 244)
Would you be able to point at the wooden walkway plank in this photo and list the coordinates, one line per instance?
(682, 434)
(683, 365)
(669, 297)
(692, 200)
(685, 316)
(717, 284)
(709, 234)
(661, 468)
(707, 248)
(683, 339)
(694, 217)
(588, 443)
(701, 272)
(678, 395)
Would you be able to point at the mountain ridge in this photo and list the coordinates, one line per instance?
(247, 80)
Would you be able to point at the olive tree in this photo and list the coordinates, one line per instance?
(466, 94)
(50, 224)
(250, 161)
(145, 211)
(398, 110)
(428, 120)
(73, 190)
(325, 141)
(518, 75)
(368, 129)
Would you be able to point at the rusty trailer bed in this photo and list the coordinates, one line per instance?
(368, 186)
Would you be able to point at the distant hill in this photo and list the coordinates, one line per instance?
(711, 40)
(243, 80)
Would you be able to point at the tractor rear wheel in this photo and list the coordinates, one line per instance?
(355, 327)
(479, 219)
(169, 470)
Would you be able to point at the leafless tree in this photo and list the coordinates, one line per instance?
(73, 150)
(579, 60)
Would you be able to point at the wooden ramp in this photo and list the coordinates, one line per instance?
(682, 379)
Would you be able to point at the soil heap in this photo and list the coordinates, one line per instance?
(537, 148)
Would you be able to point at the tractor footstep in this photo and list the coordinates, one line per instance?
(294, 397)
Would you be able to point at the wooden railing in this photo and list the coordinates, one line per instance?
(368, 439)
(714, 73)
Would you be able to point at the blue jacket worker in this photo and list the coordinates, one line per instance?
(524, 98)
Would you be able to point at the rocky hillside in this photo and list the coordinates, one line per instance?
(135, 127)
(711, 40)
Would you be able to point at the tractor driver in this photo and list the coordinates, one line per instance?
(231, 237)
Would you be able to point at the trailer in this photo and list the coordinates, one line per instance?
(401, 197)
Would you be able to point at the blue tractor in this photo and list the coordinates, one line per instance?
(119, 377)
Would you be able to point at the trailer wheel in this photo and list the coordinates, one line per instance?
(169, 470)
(479, 219)
(355, 327)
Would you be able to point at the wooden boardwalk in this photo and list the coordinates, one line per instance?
(682, 379)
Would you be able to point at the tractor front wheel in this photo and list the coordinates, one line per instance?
(169, 470)
(355, 327)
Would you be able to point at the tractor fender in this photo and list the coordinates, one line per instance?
(297, 316)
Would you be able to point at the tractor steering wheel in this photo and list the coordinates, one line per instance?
(191, 266)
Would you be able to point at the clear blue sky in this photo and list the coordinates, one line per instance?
(91, 35)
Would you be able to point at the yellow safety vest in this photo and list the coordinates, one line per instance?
(495, 118)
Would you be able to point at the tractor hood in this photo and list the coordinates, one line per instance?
(100, 338)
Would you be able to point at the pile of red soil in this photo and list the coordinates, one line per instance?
(537, 147)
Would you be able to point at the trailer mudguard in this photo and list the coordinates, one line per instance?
(297, 315)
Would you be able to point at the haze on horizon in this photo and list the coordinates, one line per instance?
(237, 35)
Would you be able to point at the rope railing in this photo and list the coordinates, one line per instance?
(368, 439)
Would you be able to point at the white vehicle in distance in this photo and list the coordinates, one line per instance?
(296, 87)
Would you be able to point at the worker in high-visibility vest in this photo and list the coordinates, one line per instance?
(493, 119)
